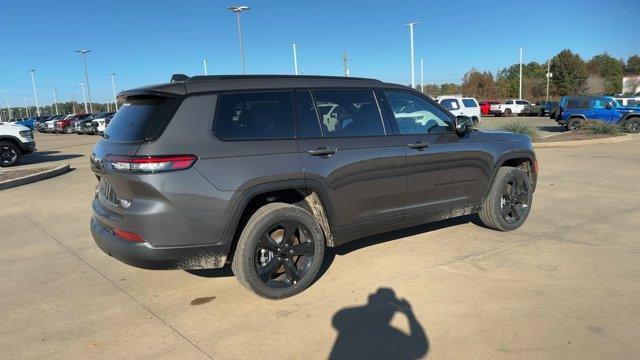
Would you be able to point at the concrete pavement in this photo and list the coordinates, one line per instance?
(563, 286)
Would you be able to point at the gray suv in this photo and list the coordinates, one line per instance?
(263, 172)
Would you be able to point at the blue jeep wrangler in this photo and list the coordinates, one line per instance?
(573, 110)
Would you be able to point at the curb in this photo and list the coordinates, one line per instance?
(608, 140)
(59, 170)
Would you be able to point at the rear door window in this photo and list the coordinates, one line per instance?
(254, 116)
(308, 123)
(450, 104)
(139, 119)
(348, 113)
(470, 103)
(578, 104)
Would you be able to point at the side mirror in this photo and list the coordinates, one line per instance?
(464, 124)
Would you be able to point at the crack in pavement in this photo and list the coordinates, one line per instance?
(118, 287)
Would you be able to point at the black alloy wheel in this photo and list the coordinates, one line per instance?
(515, 200)
(9, 154)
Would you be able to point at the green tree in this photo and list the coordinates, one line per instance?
(569, 73)
(610, 69)
(633, 65)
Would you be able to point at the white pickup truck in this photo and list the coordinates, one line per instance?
(15, 141)
(510, 107)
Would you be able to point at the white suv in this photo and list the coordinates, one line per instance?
(15, 141)
(459, 105)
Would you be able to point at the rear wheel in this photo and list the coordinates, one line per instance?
(67, 130)
(632, 125)
(279, 252)
(507, 112)
(9, 154)
(508, 204)
(574, 124)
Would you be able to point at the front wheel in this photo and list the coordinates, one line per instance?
(509, 202)
(574, 124)
(279, 252)
(67, 130)
(9, 154)
(507, 112)
(632, 125)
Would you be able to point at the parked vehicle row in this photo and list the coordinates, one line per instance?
(76, 123)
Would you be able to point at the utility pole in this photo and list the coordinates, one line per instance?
(35, 94)
(294, 46)
(237, 10)
(345, 64)
(84, 98)
(55, 99)
(113, 87)
(413, 77)
(26, 108)
(520, 88)
(73, 103)
(86, 75)
(422, 75)
(9, 110)
(549, 75)
(204, 62)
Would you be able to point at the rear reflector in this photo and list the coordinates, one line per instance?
(129, 236)
(151, 164)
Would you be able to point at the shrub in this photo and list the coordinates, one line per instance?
(600, 128)
(521, 128)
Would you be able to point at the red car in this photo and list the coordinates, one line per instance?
(66, 125)
(486, 105)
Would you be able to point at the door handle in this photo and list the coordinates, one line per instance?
(323, 151)
(418, 145)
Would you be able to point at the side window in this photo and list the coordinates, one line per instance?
(308, 124)
(522, 102)
(348, 113)
(450, 104)
(509, 102)
(416, 115)
(600, 103)
(633, 102)
(263, 115)
(578, 104)
(470, 103)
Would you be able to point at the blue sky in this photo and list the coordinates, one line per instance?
(145, 42)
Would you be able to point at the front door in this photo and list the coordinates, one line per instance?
(349, 151)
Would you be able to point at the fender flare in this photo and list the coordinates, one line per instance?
(514, 154)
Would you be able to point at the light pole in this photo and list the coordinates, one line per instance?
(422, 75)
(86, 75)
(549, 76)
(35, 94)
(73, 103)
(413, 77)
(204, 62)
(294, 46)
(9, 110)
(84, 98)
(113, 86)
(520, 88)
(26, 108)
(55, 99)
(237, 10)
(345, 64)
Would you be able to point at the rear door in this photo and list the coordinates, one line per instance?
(444, 170)
(348, 150)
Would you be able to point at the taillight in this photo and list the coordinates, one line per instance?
(151, 164)
(126, 235)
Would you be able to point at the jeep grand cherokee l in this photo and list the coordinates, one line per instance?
(263, 172)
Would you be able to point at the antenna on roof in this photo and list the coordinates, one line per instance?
(179, 77)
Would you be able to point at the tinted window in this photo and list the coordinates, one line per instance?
(600, 103)
(264, 115)
(632, 102)
(470, 103)
(139, 119)
(416, 115)
(308, 124)
(508, 102)
(578, 104)
(522, 102)
(450, 104)
(348, 113)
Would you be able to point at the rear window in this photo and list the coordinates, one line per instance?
(263, 115)
(139, 119)
(578, 104)
(470, 103)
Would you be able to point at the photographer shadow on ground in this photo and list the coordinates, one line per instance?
(365, 332)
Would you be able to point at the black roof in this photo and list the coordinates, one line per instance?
(183, 84)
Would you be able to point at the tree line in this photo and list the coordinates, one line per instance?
(571, 75)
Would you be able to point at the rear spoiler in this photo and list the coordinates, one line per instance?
(179, 77)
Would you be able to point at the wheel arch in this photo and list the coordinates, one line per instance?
(526, 160)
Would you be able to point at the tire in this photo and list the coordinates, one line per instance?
(263, 240)
(67, 130)
(541, 113)
(511, 192)
(10, 154)
(507, 113)
(574, 124)
(632, 125)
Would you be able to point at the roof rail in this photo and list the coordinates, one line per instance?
(248, 77)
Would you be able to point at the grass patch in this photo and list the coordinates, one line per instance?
(600, 128)
(520, 128)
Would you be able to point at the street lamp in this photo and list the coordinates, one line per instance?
(413, 77)
(237, 10)
(520, 88)
(422, 75)
(26, 108)
(295, 58)
(204, 62)
(113, 86)
(55, 99)
(35, 94)
(86, 75)
(84, 98)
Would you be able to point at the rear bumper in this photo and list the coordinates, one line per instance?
(146, 256)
